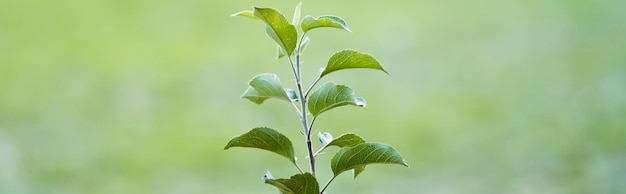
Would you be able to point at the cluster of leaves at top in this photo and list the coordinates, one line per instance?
(355, 152)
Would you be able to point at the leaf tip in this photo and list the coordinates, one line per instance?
(386, 72)
(404, 163)
(227, 145)
(360, 102)
(296, 14)
(246, 13)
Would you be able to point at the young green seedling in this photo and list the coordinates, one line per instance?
(355, 153)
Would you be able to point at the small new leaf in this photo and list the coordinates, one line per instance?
(293, 96)
(278, 28)
(297, 184)
(296, 14)
(246, 13)
(325, 138)
(281, 52)
(330, 96)
(266, 139)
(349, 158)
(265, 86)
(310, 22)
(348, 59)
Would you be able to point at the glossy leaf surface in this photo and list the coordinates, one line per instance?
(330, 96)
(265, 86)
(349, 158)
(349, 59)
(297, 184)
(347, 140)
(310, 22)
(266, 139)
(278, 28)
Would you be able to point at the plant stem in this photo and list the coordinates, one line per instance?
(303, 116)
(318, 152)
(311, 125)
(299, 169)
(312, 85)
(303, 109)
(328, 183)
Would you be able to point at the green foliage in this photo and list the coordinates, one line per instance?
(349, 158)
(310, 22)
(346, 140)
(266, 86)
(355, 152)
(266, 139)
(348, 59)
(278, 28)
(246, 13)
(297, 184)
(330, 96)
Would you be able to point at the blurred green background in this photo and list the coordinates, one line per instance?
(140, 96)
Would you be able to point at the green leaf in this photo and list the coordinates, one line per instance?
(246, 13)
(330, 96)
(357, 171)
(310, 22)
(281, 52)
(347, 140)
(349, 158)
(348, 59)
(265, 86)
(278, 28)
(296, 14)
(297, 184)
(266, 139)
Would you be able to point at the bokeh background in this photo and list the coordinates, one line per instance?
(136, 96)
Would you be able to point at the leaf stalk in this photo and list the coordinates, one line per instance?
(326, 185)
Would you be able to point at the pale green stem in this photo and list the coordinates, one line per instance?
(299, 169)
(303, 116)
(303, 109)
(312, 85)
